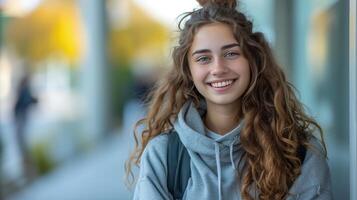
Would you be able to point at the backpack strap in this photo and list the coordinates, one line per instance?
(301, 153)
(178, 166)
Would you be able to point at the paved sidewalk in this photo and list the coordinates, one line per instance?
(98, 175)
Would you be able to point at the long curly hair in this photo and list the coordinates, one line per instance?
(275, 127)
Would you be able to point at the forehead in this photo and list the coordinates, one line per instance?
(212, 36)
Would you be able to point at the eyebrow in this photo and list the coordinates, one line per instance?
(228, 46)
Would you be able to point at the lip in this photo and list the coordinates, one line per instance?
(221, 89)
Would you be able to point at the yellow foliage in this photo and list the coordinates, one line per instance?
(54, 29)
(51, 29)
(142, 34)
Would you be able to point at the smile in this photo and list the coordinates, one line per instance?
(222, 84)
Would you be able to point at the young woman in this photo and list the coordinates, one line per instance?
(229, 103)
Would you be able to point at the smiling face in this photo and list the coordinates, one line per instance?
(219, 70)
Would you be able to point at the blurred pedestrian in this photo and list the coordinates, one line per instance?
(24, 101)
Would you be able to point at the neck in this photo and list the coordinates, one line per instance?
(222, 118)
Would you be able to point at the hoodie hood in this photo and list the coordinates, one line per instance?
(218, 155)
(193, 134)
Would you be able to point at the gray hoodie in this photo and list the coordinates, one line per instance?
(214, 163)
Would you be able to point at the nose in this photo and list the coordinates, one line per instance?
(219, 67)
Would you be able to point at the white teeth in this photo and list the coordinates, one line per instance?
(221, 84)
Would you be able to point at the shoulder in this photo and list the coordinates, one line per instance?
(315, 156)
(158, 142)
(157, 146)
(315, 173)
(152, 182)
(155, 153)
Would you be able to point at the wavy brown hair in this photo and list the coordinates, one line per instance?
(276, 126)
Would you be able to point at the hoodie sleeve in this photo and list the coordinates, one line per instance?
(314, 182)
(152, 182)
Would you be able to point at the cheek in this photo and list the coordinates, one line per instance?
(247, 74)
(193, 76)
(245, 70)
(196, 74)
(246, 78)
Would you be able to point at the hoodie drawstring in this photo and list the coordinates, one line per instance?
(218, 162)
(231, 152)
(231, 155)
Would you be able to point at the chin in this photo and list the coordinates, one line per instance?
(223, 101)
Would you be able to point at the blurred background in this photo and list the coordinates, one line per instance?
(73, 74)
